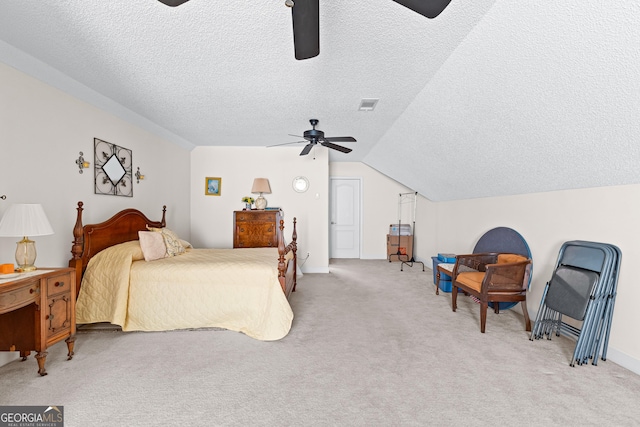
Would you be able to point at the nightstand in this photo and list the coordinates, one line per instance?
(256, 228)
(37, 310)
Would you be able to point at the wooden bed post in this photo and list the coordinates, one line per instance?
(282, 250)
(164, 212)
(294, 248)
(78, 240)
(282, 273)
(77, 248)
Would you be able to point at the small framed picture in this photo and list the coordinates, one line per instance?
(212, 186)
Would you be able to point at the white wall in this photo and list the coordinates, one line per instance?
(212, 216)
(41, 132)
(380, 195)
(546, 221)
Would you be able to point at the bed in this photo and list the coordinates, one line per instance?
(244, 290)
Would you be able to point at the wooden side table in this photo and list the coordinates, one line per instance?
(256, 228)
(37, 310)
(442, 268)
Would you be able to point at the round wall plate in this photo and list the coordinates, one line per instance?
(300, 184)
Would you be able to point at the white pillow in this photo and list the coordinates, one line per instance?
(171, 241)
(152, 245)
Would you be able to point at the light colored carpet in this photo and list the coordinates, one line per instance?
(370, 346)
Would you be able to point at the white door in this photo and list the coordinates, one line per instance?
(344, 228)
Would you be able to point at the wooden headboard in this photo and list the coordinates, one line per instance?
(90, 239)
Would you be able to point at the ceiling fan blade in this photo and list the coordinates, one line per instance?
(173, 3)
(306, 149)
(428, 8)
(285, 143)
(340, 139)
(306, 28)
(335, 147)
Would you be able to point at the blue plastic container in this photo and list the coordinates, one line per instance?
(445, 286)
(447, 258)
(445, 279)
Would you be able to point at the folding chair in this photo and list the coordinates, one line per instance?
(583, 287)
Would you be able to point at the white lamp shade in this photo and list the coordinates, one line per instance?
(25, 220)
(261, 185)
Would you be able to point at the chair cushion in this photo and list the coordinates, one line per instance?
(505, 258)
(472, 280)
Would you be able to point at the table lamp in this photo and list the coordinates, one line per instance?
(25, 220)
(261, 185)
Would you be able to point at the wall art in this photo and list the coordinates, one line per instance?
(212, 186)
(112, 169)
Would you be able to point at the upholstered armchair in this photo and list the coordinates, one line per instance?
(492, 278)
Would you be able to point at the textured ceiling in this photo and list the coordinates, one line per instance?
(538, 97)
(490, 98)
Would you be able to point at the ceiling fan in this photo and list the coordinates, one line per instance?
(305, 15)
(173, 3)
(315, 136)
(306, 21)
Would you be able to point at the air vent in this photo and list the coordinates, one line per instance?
(368, 104)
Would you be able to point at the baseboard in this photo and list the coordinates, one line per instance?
(8, 357)
(624, 360)
(364, 256)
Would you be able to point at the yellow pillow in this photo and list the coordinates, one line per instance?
(505, 258)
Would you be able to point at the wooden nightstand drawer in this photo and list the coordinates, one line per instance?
(256, 235)
(58, 284)
(256, 216)
(242, 216)
(19, 297)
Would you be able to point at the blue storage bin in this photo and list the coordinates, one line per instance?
(445, 285)
(447, 258)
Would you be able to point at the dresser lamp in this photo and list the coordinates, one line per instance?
(261, 185)
(25, 220)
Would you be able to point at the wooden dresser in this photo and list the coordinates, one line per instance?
(255, 228)
(37, 310)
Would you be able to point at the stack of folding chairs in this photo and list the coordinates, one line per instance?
(583, 287)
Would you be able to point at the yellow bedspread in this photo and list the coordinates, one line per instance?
(235, 289)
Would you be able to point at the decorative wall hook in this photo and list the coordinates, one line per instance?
(82, 163)
(139, 176)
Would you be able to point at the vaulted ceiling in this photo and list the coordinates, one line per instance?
(492, 97)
